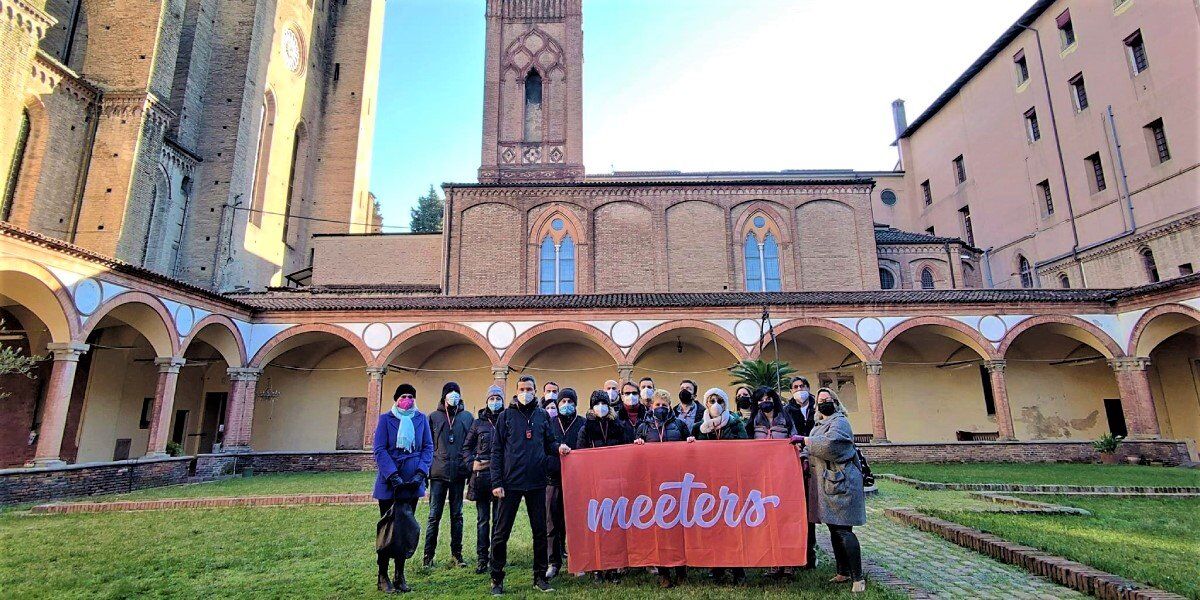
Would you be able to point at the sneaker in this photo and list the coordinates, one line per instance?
(497, 588)
(859, 586)
(457, 561)
(481, 568)
(542, 585)
(552, 572)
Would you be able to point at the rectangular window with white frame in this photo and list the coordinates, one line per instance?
(1096, 171)
(1156, 140)
(1066, 29)
(1043, 190)
(1135, 50)
(1078, 93)
(960, 170)
(1032, 132)
(1021, 66)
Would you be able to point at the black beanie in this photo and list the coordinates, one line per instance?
(402, 389)
(448, 387)
(568, 393)
(598, 397)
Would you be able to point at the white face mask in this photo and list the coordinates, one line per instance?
(648, 393)
(453, 398)
(802, 395)
(601, 410)
(715, 410)
(631, 399)
(612, 395)
(524, 397)
(552, 395)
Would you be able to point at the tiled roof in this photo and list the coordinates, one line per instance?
(891, 235)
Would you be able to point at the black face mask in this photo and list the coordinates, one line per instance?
(661, 413)
(826, 408)
(686, 397)
(766, 406)
(744, 402)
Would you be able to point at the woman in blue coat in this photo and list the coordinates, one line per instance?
(403, 453)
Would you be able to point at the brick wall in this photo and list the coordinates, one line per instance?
(216, 465)
(1168, 452)
(491, 252)
(36, 485)
(697, 248)
(627, 249)
(378, 259)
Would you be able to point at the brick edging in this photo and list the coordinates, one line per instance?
(1029, 506)
(1067, 573)
(175, 503)
(1037, 488)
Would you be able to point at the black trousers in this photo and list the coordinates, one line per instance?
(556, 526)
(384, 506)
(846, 551)
(535, 505)
(485, 515)
(812, 546)
(438, 492)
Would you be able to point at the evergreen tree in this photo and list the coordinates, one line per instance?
(426, 216)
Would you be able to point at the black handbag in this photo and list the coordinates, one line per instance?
(397, 533)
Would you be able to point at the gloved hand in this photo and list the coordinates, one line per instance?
(394, 480)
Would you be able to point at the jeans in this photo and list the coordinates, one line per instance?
(846, 551)
(438, 490)
(485, 514)
(535, 505)
(556, 526)
(380, 560)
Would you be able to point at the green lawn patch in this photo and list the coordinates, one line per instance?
(1045, 474)
(295, 552)
(1151, 540)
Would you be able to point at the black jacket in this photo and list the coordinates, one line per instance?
(478, 444)
(672, 431)
(449, 436)
(521, 444)
(623, 417)
(566, 431)
(802, 424)
(601, 433)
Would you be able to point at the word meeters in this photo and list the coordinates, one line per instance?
(703, 510)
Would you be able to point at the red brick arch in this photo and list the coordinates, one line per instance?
(855, 345)
(64, 325)
(1107, 347)
(724, 337)
(592, 334)
(1139, 329)
(164, 347)
(223, 322)
(472, 336)
(260, 357)
(980, 344)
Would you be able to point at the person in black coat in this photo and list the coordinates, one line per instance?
(600, 427)
(664, 426)
(630, 410)
(449, 425)
(522, 442)
(802, 408)
(565, 425)
(477, 456)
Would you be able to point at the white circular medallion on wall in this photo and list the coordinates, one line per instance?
(748, 331)
(291, 48)
(185, 318)
(870, 329)
(88, 295)
(501, 334)
(993, 328)
(377, 335)
(624, 333)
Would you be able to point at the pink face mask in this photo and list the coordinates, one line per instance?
(405, 403)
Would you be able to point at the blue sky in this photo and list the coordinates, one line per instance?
(684, 84)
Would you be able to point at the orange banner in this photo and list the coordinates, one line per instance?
(733, 503)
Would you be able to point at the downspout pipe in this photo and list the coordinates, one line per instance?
(950, 264)
(85, 167)
(1062, 164)
(1112, 125)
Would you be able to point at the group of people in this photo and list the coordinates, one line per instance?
(508, 454)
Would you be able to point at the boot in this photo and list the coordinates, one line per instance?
(400, 583)
(458, 559)
(482, 567)
(384, 584)
(497, 587)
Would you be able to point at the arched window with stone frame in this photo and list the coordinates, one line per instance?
(927, 279)
(262, 158)
(761, 254)
(1024, 271)
(1149, 264)
(534, 90)
(557, 255)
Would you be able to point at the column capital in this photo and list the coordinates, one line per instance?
(67, 350)
(1129, 363)
(873, 367)
(169, 364)
(377, 373)
(995, 366)
(624, 373)
(243, 373)
(500, 371)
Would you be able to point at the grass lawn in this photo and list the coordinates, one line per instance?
(307, 551)
(1052, 474)
(262, 485)
(1151, 540)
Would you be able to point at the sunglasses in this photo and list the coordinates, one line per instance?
(409, 396)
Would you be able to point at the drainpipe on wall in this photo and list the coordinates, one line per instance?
(950, 264)
(987, 267)
(1062, 164)
(85, 165)
(1112, 124)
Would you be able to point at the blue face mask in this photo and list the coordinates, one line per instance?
(567, 409)
(495, 405)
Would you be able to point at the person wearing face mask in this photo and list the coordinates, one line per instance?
(522, 441)
(449, 424)
(717, 422)
(613, 390)
(770, 422)
(477, 456)
(646, 390)
(743, 403)
(565, 427)
(549, 393)
(837, 473)
(601, 430)
(663, 426)
(801, 407)
(689, 410)
(630, 411)
(403, 452)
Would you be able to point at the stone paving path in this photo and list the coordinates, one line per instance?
(944, 569)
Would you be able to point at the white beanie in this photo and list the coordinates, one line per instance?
(719, 392)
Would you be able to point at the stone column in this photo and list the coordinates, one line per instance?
(874, 370)
(624, 373)
(164, 405)
(58, 402)
(500, 377)
(1141, 416)
(1004, 420)
(374, 403)
(239, 417)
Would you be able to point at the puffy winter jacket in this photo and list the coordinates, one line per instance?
(566, 431)
(673, 430)
(600, 433)
(735, 429)
(449, 436)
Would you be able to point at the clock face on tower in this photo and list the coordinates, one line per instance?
(290, 48)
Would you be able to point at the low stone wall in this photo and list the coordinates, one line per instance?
(1167, 452)
(211, 466)
(18, 486)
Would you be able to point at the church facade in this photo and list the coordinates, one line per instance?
(547, 270)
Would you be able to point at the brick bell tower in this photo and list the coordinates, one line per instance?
(533, 92)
